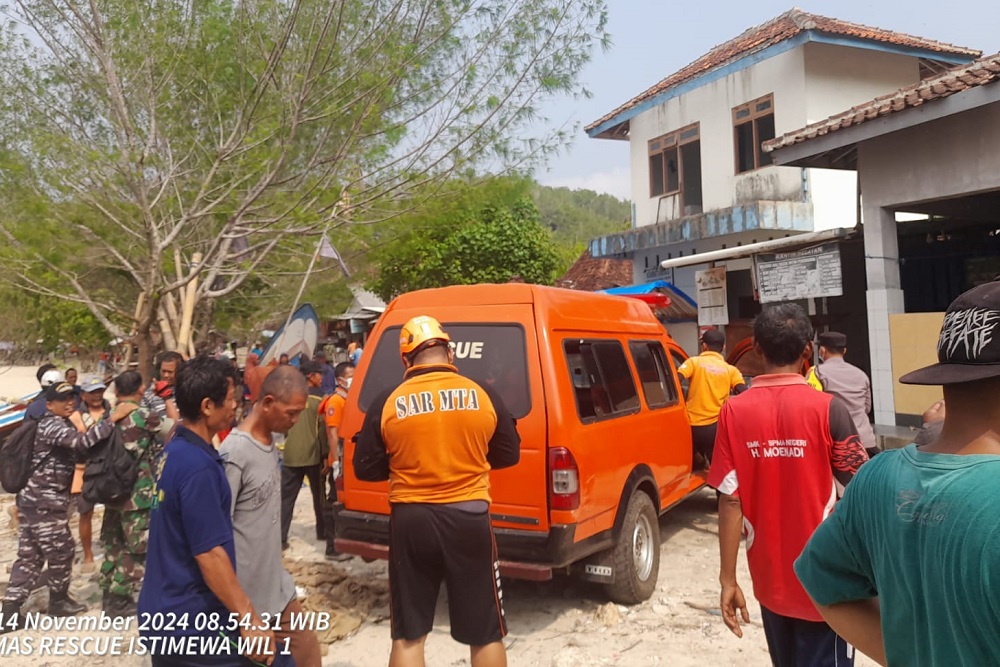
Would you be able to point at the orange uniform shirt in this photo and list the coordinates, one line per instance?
(332, 410)
(435, 438)
(711, 379)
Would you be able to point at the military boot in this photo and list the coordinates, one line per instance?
(61, 604)
(11, 618)
(120, 606)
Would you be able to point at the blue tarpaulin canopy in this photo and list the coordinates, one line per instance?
(682, 308)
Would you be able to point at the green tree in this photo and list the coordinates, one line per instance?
(32, 318)
(489, 235)
(187, 146)
(577, 216)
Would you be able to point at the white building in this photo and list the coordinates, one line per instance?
(700, 181)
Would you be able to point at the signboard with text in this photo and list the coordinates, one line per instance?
(811, 273)
(713, 307)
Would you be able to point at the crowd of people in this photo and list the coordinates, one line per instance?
(156, 540)
(891, 553)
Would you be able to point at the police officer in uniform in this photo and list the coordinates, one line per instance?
(44, 502)
(847, 381)
(436, 437)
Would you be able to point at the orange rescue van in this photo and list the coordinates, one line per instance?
(605, 439)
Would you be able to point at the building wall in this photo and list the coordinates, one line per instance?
(809, 83)
(951, 157)
(837, 78)
(914, 345)
(711, 105)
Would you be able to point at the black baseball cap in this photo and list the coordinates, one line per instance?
(59, 391)
(969, 344)
(310, 367)
(832, 339)
(713, 337)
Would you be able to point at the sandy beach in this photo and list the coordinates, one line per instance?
(17, 381)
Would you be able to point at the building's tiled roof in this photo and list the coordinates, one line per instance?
(777, 30)
(978, 73)
(589, 274)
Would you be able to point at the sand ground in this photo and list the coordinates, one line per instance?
(563, 623)
(17, 381)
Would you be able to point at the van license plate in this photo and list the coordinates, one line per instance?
(598, 570)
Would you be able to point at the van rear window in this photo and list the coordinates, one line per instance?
(491, 354)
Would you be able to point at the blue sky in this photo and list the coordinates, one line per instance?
(654, 39)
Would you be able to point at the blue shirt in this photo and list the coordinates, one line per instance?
(190, 516)
(37, 408)
(329, 380)
(921, 531)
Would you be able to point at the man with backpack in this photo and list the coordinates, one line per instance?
(125, 531)
(43, 504)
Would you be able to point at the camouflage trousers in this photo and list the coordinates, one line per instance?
(42, 537)
(125, 534)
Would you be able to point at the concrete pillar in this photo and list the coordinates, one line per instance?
(884, 298)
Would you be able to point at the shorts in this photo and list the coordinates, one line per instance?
(80, 504)
(429, 544)
(793, 641)
(703, 438)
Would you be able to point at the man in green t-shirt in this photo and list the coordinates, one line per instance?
(907, 568)
(303, 455)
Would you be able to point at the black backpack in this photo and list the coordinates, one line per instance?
(111, 471)
(15, 456)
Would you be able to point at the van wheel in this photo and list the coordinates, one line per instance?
(636, 556)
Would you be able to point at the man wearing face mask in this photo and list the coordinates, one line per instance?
(846, 381)
(332, 409)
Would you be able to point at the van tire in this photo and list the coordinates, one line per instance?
(636, 554)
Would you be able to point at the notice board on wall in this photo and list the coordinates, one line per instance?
(713, 306)
(810, 273)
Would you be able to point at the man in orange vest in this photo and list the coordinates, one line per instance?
(436, 437)
(712, 380)
(332, 410)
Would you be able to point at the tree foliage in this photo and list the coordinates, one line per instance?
(488, 234)
(33, 322)
(577, 216)
(184, 146)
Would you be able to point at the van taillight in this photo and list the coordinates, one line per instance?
(564, 494)
(338, 468)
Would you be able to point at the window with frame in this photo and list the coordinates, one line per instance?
(657, 380)
(675, 165)
(753, 124)
(602, 379)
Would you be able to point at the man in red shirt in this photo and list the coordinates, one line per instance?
(783, 454)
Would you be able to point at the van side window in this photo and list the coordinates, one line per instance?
(678, 362)
(602, 379)
(657, 381)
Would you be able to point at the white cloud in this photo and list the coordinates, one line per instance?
(615, 182)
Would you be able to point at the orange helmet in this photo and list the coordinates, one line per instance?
(420, 330)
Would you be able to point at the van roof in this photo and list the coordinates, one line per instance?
(558, 308)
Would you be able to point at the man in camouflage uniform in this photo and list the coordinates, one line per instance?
(125, 531)
(43, 505)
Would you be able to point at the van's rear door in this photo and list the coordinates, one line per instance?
(495, 345)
